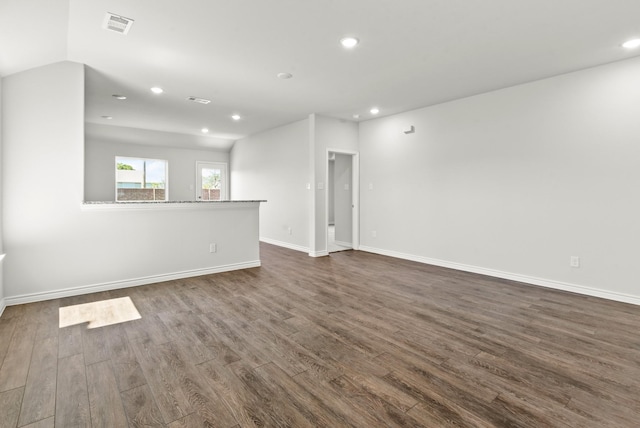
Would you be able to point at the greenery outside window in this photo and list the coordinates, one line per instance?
(141, 180)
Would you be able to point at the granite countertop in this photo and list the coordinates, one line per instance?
(166, 202)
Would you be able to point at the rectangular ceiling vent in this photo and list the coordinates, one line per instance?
(199, 100)
(117, 23)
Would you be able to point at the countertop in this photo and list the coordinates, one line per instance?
(168, 202)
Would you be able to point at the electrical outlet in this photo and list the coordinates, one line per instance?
(374, 234)
(289, 230)
(574, 261)
(213, 248)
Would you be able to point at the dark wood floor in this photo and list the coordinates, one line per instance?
(354, 339)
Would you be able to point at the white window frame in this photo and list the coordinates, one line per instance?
(118, 159)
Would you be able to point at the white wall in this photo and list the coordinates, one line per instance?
(325, 133)
(273, 165)
(278, 165)
(100, 175)
(55, 247)
(514, 182)
(342, 198)
(42, 164)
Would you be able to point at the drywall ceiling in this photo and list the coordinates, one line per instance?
(412, 53)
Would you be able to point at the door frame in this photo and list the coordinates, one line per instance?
(355, 196)
(224, 172)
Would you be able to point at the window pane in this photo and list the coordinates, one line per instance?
(141, 179)
(211, 181)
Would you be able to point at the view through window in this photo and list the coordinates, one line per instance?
(141, 179)
(211, 181)
(210, 184)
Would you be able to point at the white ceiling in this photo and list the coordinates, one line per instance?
(413, 53)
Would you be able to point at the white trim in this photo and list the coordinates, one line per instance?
(166, 175)
(114, 285)
(312, 181)
(548, 283)
(295, 247)
(344, 244)
(355, 196)
(318, 253)
(224, 191)
(327, 180)
(355, 188)
(285, 244)
(3, 304)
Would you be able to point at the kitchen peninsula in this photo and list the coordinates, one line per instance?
(124, 244)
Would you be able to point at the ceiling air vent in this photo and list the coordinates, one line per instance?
(117, 23)
(199, 100)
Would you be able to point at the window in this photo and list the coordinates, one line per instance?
(141, 179)
(211, 181)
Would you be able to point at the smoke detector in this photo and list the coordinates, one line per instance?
(117, 23)
(198, 100)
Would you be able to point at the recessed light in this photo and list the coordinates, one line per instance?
(631, 44)
(157, 90)
(107, 117)
(375, 110)
(205, 130)
(119, 97)
(356, 116)
(285, 75)
(236, 117)
(349, 42)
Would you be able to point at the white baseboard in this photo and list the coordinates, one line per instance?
(557, 285)
(318, 253)
(295, 247)
(285, 244)
(344, 244)
(114, 285)
(2, 306)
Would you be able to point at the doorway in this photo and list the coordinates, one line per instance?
(342, 198)
(211, 181)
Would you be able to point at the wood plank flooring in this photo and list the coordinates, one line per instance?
(351, 340)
